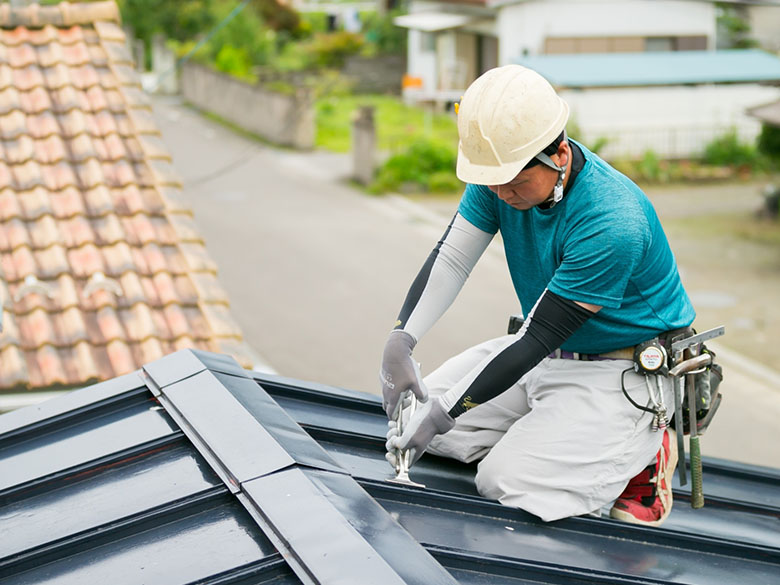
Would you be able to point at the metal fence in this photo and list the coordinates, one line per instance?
(678, 142)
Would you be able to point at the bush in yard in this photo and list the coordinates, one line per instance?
(649, 167)
(383, 35)
(769, 142)
(415, 168)
(235, 62)
(247, 32)
(330, 49)
(444, 182)
(728, 150)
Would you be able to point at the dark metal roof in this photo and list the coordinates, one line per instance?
(193, 470)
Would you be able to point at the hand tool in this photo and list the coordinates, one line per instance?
(683, 373)
(402, 457)
(697, 493)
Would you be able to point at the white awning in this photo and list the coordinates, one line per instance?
(432, 21)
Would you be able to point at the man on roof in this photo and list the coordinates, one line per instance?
(546, 411)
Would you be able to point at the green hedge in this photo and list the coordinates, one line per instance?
(425, 165)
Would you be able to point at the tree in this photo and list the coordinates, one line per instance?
(181, 20)
(278, 16)
(734, 28)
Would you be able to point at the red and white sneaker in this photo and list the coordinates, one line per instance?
(647, 498)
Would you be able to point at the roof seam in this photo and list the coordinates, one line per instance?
(121, 274)
(71, 159)
(128, 342)
(106, 244)
(118, 307)
(60, 15)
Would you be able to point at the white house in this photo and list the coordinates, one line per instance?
(452, 42)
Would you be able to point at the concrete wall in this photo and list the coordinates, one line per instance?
(675, 122)
(381, 74)
(287, 120)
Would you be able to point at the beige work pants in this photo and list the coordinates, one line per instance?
(562, 441)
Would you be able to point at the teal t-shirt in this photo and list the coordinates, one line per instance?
(602, 244)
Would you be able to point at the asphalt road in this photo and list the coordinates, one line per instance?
(316, 272)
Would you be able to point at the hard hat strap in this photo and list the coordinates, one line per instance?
(545, 159)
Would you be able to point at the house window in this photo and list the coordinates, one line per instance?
(659, 44)
(698, 43)
(569, 45)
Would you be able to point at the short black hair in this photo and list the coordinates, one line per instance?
(549, 150)
(552, 148)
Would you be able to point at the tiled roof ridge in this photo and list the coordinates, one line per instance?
(104, 344)
(84, 336)
(80, 172)
(18, 215)
(70, 157)
(82, 246)
(84, 132)
(114, 275)
(63, 14)
(106, 304)
(14, 203)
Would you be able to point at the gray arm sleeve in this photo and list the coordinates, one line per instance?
(442, 276)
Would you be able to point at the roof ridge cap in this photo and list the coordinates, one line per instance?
(64, 14)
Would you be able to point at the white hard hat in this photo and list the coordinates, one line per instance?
(505, 118)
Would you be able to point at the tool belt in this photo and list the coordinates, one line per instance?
(657, 356)
(624, 353)
(707, 379)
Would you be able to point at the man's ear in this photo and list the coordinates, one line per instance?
(564, 152)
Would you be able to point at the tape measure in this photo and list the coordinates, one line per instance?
(650, 358)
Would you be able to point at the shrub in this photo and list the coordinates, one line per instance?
(769, 142)
(649, 167)
(727, 150)
(321, 50)
(383, 35)
(234, 61)
(444, 182)
(422, 166)
(245, 31)
(330, 49)
(599, 144)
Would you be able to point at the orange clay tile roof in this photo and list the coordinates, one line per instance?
(101, 265)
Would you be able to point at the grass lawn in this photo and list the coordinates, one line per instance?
(397, 124)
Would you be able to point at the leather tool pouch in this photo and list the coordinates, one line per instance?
(708, 396)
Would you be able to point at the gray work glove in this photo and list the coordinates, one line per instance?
(400, 373)
(428, 421)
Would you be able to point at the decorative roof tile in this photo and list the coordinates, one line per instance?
(102, 268)
(35, 203)
(52, 262)
(9, 205)
(13, 367)
(67, 203)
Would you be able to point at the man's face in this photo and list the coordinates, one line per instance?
(534, 185)
(529, 188)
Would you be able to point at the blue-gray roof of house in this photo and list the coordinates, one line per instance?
(193, 470)
(656, 68)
